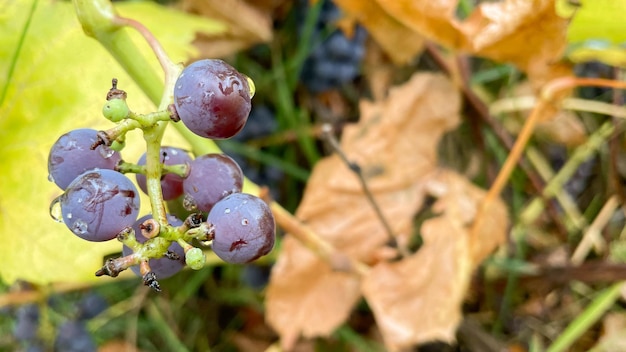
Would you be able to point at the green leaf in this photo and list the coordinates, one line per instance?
(59, 82)
(597, 30)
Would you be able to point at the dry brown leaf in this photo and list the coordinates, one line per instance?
(565, 128)
(614, 333)
(527, 33)
(246, 25)
(400, 43)
(419, 298)
(395, 145)
(434, 20)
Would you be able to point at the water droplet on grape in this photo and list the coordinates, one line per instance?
(69, 215)
(106, 152)
(55, 209)
(227, 211)
(79, 227)
(251, 85)
(244, 222)
(50, 178)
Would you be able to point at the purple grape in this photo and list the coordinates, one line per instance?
(211, 178)
(98, 204)
(171, 184)
(27, 322)
(244, 228)
(71, 155)
(74, 337)
(212, 99)
(162, 267)
(91, 305)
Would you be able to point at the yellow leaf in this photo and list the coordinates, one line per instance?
(59, 83)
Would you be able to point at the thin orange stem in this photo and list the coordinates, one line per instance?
(548, 93)
(313, 241)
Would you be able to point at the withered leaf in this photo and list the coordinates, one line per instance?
(395, 145)
(419, 298)
(245, 26)
(527, 33)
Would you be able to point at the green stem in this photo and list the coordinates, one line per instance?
(153, 137)
(150, 118)
(99, 21)
(587, 318)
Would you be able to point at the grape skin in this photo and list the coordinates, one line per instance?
(212, 99)
(211, 178)
(71, 155)
(244, 228)
(98, 204)
(162, 267)
(171, 184)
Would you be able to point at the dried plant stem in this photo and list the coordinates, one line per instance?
(522, 103)
(556, 183)
(615, 145)
(334, 144)
(575, 221)
(312, 241)
(41, 292)
(547, 95)
(593, 237)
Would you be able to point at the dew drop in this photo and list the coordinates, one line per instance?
(106, 152)
(251, 85)
(69, 215)
(55, 209)
(50, 178)
(244, 222)
(79, 227)
(227, 211)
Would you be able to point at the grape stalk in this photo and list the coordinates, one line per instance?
(100, 203)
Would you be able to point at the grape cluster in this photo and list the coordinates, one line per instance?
(336, 57)
(100, 203)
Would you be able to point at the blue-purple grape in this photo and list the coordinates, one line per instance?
(171, 184)
(73, 336)
(244, 228)
(335, 58)
(162, 267)
(211, 178)
(26, 322)
(91, 305)
(99, 204)
(212, 99)
(71, 155)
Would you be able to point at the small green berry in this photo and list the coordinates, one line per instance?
(115, 110)
(195, 258)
